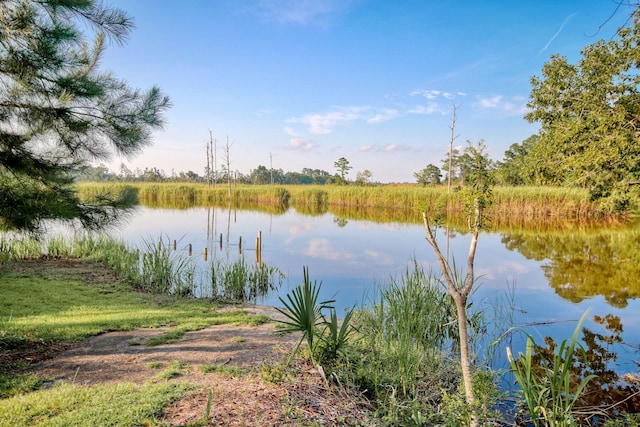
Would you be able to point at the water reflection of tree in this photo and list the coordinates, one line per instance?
(583, 265)
(340, 222)
(608, 394)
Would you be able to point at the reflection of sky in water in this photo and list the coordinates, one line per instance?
(350, 260)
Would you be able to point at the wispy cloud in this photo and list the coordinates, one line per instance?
(385, 148)
(438, 101)
(511, 106)
(324, 123)
(300, 12)
(429, 108)
(489, 102)
(322, 248)
(302, 144)
(396, 147)
(565, 22)
(383, 116)
(289, 131)
(435, 94)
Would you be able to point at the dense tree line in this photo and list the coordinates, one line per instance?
(259, 176)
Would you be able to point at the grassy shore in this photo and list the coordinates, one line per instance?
(48, 304)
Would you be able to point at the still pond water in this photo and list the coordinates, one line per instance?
(545, 279)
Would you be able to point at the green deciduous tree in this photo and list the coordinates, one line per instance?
(515, 168)
(260, 175)
(58, 111)
(430, 175)
(589, 114)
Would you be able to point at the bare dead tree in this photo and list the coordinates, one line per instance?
(212, 151)
(208, 169)
(453, 137)
(227, 160)
(271, 167)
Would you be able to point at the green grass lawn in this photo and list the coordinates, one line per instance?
(46, 302)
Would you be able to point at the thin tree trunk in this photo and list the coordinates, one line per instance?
(460, 295)
(465, 356)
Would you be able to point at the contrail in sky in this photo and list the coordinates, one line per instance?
(565, 22)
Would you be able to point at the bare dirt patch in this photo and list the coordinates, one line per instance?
(124, 355)
(300, 394)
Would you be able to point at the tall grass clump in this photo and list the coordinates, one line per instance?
(88, 191)
(402, 341)
(186, 195)
(549, 390)
(14, 247)
(239, 281)
(164, 272)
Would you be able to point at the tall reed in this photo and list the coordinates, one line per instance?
(164, 272)
(511, 205)
(550, 392)
(239, 282)
(403, 336)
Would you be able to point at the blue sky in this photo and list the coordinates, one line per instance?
(301, 83)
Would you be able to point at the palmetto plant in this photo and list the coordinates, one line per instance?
(303, 312)
(335, 336)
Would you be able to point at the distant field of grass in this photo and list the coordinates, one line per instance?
(509, 203)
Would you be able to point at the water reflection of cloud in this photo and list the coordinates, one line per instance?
(300, 228)
(380, 258)
(296, 230)
(322, 248)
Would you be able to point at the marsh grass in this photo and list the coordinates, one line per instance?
(122, 404)
(238, 281)
(400, 346)
(154, 267)
(193, 194)
(164, 271)
(511, 205)
(549, 389)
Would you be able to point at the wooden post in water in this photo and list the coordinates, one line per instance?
(174, 245)
(240, 245)
(189, 246)
(205, 253)
(221, 241)
(259, 248)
